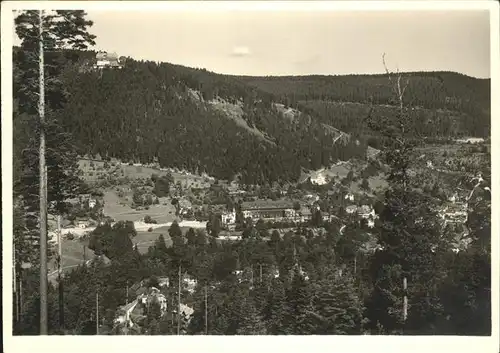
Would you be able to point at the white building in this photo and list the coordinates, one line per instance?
(163, 282)
(163, 302)
(276, 273)
(186, 311)
(229, 218)
(143, 299)
(125, 311)
(239, 275)
(351, 209)
(319, 178)
(366, 212)
(83, 224)
(328, 217)
(190, 284)
(52, 237)
(107, 60)
(453, 198)
(349, 197)
(154, 295)
(471, 140)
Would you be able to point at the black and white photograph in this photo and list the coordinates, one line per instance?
(245, 169)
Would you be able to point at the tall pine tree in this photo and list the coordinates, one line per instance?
(38, 90)
(299, 297)
(277, 309)
(409, 235)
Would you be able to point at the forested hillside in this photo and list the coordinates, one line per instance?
(230, 126)
(447, 103)
(194, 120)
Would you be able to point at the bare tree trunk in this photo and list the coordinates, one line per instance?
(43, 186)
(97, 312)
(20, 295)
(405, 301)
(179, 304)
(206, 311)
(172, 311)
(14, 278)
(355, 264)
(61, 287)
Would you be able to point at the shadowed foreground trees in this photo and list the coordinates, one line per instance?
(328, 298)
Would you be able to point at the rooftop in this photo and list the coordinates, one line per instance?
(455, 207)
(305, 211)
(266, 204)
(106, 56)
(129, 306)
(364, 209)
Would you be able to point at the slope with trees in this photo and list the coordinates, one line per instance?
(446, 104)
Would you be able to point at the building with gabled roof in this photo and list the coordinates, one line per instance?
(268, 209)
(124, 313)
(107, 60)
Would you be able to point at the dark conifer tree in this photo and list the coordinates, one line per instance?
(277, 309)
(409, 235)
(299, 297)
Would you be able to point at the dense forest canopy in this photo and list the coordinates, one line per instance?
(152, 112)
(445, 90)
(455, 97)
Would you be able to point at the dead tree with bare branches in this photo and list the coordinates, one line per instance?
(407, 268)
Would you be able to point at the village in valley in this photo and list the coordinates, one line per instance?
(226, 211)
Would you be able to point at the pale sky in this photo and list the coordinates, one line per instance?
(300, 43)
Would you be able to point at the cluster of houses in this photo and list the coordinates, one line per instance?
(364, 212)
(455, 211)
(146, 296)
(297, 212)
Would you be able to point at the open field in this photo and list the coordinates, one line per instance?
(339, 171)
(92, 169)
(72, 253)
(73, 250)
(120, 210)
(145, 239)
(72, 257)
(377, 183)
(139, 227)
